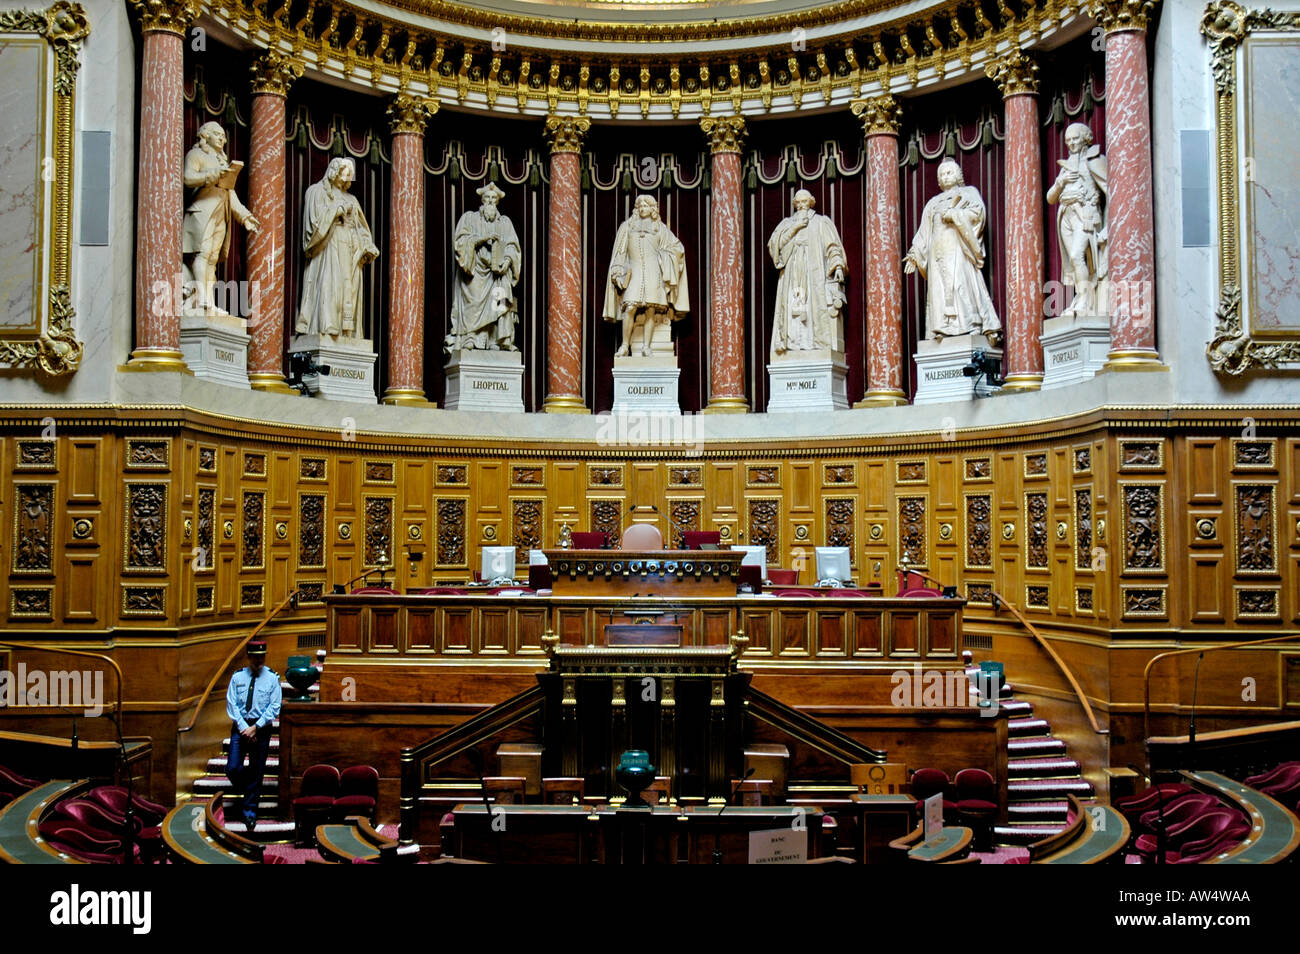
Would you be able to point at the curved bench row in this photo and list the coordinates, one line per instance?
(194, 835)
(1275, 832)
(20, 822)
(1095, 834)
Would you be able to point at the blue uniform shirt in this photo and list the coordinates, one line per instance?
(266, 699)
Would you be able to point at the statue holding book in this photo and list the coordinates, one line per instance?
(210, 178)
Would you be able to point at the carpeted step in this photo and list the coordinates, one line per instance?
(217, 766)
(1035, 746)
(275, 744)
(1018, 709)
(1042, 768)
(1023, 834)
(1020, 728)
(211, 784)
(267, 830)
(1038, 813)
(1042, 788)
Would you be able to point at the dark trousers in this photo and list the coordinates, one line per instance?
(246, 781)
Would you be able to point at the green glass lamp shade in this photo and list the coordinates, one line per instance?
(634, 773)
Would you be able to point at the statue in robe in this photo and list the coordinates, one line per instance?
(338, 244)
(212, 204)
(948, 251)
(807, 250)
(1079, 192)
(483, 310)
(647, 276)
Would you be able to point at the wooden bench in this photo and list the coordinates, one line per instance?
(1096, 834)
(1275, 832)
(354, 841)
(193, 835)
(20, 822)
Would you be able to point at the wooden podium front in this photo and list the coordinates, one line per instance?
(680, 573)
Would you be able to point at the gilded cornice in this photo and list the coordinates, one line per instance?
(499, 65)
(410, 114)
(880, 115)
(1016, 74)
(726, 133)
(565, 133)
(168, 16)
(1114, 15)
(274, 73)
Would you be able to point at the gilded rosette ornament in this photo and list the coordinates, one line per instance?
(565, 133)
(170, 16)
(410, 114)
(1113, 15)
(273, 73)
(726, 133)
(1016, 74)
(879, 115)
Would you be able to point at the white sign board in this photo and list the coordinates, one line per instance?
(781, 846)
(933, 816)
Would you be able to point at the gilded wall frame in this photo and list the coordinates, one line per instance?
(46, 341)
(1236, 36)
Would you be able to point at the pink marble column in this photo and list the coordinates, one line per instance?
(408, 116)
(272, 75)
(564, 266)
(726, 268)
(159, 192)
(1017, 77)
(880, 118)
(1131, 246)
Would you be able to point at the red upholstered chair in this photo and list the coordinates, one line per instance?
(320, 785)
(358, 793)
(589, 539)
(539, 576)
(1283, 786)
(977, 805)
(88, 845)
(1179, 811)
(113, 797)
(927, 782)
(783, 577)
(92, 816)
(1132, 806)
(1202, 828)
(1194, 853)
(693, 539)
(1255, 781)
(441, 591)
(15, 784)
(642, 536)
(752, 577)
(373, 590)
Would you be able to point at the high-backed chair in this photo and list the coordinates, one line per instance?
(589, 539)
(693, 539)
(358, 793)
(561, 791)
(505, 789)
(927, 782)
(642, 536)
(782, 577)
(977, 805)
(320, 785)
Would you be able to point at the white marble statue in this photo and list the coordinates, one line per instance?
(483, 311)
(647, 276)
(807, 250)
(338, 243)
(205, 234)
(948, 251)
(1079, 192)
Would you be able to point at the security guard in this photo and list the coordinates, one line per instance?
(253, 704)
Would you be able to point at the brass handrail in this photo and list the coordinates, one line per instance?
(291, 598)
(1001, 600)
(1146, 675)
(78, 652)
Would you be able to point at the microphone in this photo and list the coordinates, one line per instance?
(717, 831)
(1191, 732)
(476, 762)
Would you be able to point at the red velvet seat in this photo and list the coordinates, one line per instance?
(1179, 811)
(358, 793)
(782, 577)
(15, 784)
(320, 785)
(85, 844)
(1283, 786)
(1199, 828)
(1132, 806)
(113, 797)
(1194, 853)
(373, 590)
(1255, 781)
(589, 539)
(694, 539)
(92, 815)
(441, 591)
(927, 782)
(977, 805)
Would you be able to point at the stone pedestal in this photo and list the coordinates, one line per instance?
(939, 367)
(352, 367)
(646, 385)
(485, 381)
(807, 381)
(1074, 349)
(216, 348)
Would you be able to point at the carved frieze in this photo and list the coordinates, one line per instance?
(451, 532)
(379, 471)
(979, 531)
(254, 465)
(684, 477)
(1144, 525)
(526, 476)
(607, 518)
(605, 476)
(1083, 528)
(979, 468)
(840, 521)
(312, 468)
(764, 476)
(1141, 601)
(1083, 599)
(838, 474)
(205, 529)
(32, 602)
(764, 527)
(378, 532)
(147, 454)
(1036, 530)
(453, 475)
(252, 551)
(311, 531)
(1141, 455)
(1252, 455)
(911, 530)
(911, 471)
(144, 601)
(979, 593)
(683, 515)
(204, 597)
(250, 596)
(526, 526)
(1035, 465)
(1037, 597)
(36, 455)
(1256, 528)
(146, 528)
(208, 460)
(1257, 603)
(34, 528)
(1082, 460)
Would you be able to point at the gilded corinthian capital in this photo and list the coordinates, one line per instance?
(410, 114)
(169, 16)
(879, 115)
(274, 73)
(1016, 74)
(726, 133)
(565, 133)
(1113, 15)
